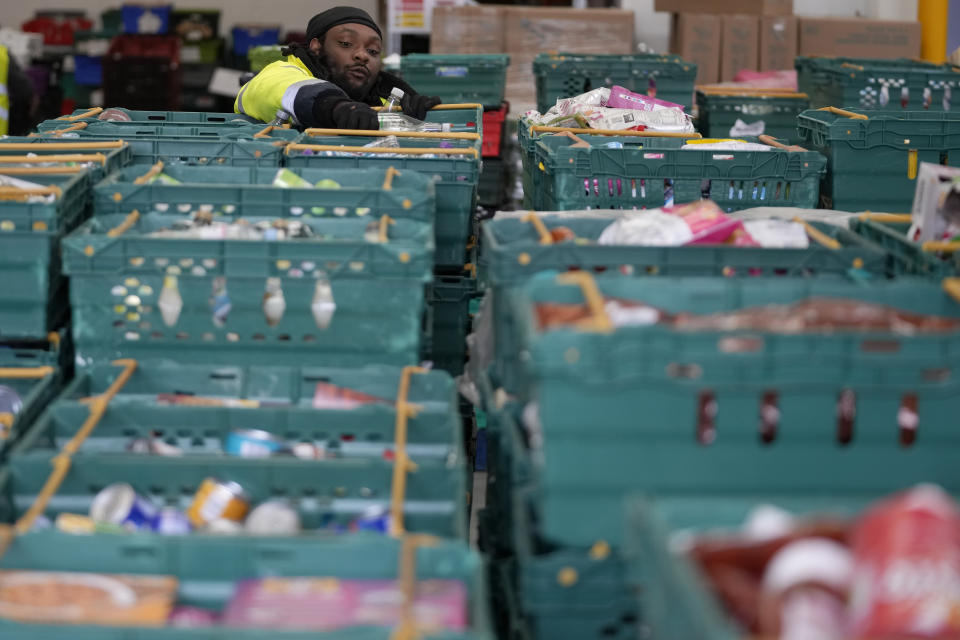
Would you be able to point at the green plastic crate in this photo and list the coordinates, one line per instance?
(377, 288)
(907, 257)
(213, 131)
(652, 172)
(261, 56)
(34, 392)
(719, 109)
(31, 286)
(565, 75)
(248, 191)
(458, 78)
(492, 188)
(909, 85)
(201, 51)
(115, 154)
(448, 299)
(607, 381)
(456, 188)
(873, 156)
(327, 492)
(148, 117)
(207, 567)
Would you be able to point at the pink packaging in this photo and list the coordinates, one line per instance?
(323, 604)
(621, 98)
(707, 222)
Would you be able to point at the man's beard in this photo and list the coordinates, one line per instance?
(341, 78)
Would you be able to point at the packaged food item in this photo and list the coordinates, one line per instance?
(804, 591)
(700, 222)
(907, 567)
(55, 597)
(118, 504)
(10, 404)
(153, 446)
(114, 115)
(172, 522)
(162, 178)
(217, 499)
(741, 128)
(253, 443)
(936, 204)
(331, 396)
(323, 604)
(287, 179)
(621, 98)
(562, 234)
(273, 518)
(192, 618)
(776, 233)
(724, 144)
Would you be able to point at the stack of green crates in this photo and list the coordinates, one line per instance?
(871, 83)
(565, 75)
(261, 56)
(873, 156)
(458, 78)
(33, 370)
(719, 108)
(653, 172)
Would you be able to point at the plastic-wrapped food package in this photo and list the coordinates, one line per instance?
(621, 98)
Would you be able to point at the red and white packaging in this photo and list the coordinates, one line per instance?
(621, 98)
(907, 567)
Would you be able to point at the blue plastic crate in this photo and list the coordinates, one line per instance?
(245, 38)
(88, 70)
(146, 19)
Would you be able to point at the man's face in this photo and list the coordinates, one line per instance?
(352, 53)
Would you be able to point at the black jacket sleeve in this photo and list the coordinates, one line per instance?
(20, 90)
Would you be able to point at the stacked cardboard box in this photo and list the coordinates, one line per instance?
(725, 37)
(524, 32)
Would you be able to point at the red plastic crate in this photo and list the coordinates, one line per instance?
(145, 46)
(56, 32)
(493, 131)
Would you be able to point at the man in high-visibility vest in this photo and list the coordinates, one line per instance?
(331, 80)
(16, 97)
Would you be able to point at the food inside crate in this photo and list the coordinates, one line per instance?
(614, 109)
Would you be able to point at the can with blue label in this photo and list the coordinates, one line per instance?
(374, 518)
(172, 522)
(119, 504)
(254, 443)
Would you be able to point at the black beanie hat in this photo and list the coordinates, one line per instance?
(323, 22)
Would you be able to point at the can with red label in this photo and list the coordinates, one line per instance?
(907, 567)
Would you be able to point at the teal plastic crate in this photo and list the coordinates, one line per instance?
(458, 78)
(685, 383)
(873, 156)
(261, 56)
(207, 567)
(237, 192)
(907, 257)
(31, 287)
(876, 83)
(147, 117)
(565, 75)
(117, 283)
(448, 299)
(652, 172)
(32, 369)
(333, 491)
(719, 108)
(211, 130)
(105, 156)
(457, 172)
(492, 188)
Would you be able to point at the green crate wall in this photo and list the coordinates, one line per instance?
(907, 257)
(149, 117)
(34, 392)
(115, 154)
(210, 130)
(377, 287)
(719, 112)
(565, 75)
(492, 188)
(870, 153)
(448, 319)
(859, 82)
(458, 78)
(645, 171)
(207, 568)
(607, 380)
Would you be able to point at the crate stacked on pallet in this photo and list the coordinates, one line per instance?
(453, 158)
(276, 360)
(201, 50)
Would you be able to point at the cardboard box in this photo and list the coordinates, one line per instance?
(467, 30)
(529, 31)
(696, 37)
(743, 7)
(778, 42)
(859, 38)
(739, 45)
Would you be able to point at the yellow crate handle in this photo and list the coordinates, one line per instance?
(70, 157)
(381, 150)
(818, 236)
(41, 171)
(98, 404)
(76, 126)
(26, 373)
(577, 140)
(941, 247)
(750, 92)
(844, 113)
(265, 132)
(407, 580)
(154, 170)
(385, 222)
(61, 146)
(80, 116)
(599, 321)
(122, 228)
(401, 462)
(886, 217)
(463, 135)
(850, 65)
(951, 286)
(534, 219)
(615, 132)
(448, 107)
(773, 142)
(12, 193)
(392, 172)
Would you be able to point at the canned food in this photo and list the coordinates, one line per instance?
(253, 443)
(374, 518)
(10, 401)
(119, 504)
(171, 522)
(215, 500)
(274, 518)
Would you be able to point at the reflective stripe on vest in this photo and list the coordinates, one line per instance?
(4, 94)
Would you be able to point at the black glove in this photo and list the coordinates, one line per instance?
(416, 106)
(340, 112)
